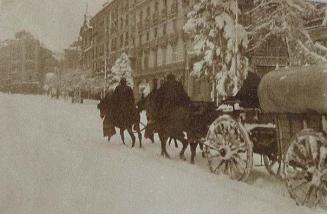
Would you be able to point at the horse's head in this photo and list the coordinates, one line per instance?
(141, 104)
(102, 107)
(149, 104)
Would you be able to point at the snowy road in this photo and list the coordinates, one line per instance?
(53, 159)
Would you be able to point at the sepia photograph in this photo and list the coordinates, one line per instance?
(163, 106)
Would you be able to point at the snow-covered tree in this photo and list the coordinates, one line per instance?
(145, 88)
(121, 69)
(220, 43)
(324, 22)
(284, 20)
(51, 80)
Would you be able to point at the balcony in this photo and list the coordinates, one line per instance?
(147, 23)
(163, 41)
(184, 35)
(132, 52)
(132, 29)
(173, 38)
(164, 14)
(155, 19)
(139, 27)
(173, 10)
(154, 44)
(146, 46)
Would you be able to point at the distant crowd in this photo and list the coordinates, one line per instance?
(76, 96)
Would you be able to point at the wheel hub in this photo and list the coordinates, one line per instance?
(226, 152)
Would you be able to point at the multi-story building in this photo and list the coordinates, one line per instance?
(274, 52)
(86, 44)
(20, 57)
(5, 65)
(151, 33)
(316, 26)
(23, 61)
(71, 58)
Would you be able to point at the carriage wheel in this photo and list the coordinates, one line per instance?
(229, 148)
(306, 169)
(272, 164)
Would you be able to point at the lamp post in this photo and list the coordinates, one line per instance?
(105, 54)
(236, 35)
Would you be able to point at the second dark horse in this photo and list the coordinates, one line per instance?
(171, 120)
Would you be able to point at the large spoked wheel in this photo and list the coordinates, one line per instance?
(229, 149)
(273, 164)
(306, 169)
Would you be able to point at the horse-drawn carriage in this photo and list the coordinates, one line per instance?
(288, 129)
(282, 117)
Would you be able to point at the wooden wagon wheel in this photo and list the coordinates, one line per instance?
(229, 149)
(306, 168)
(272, 164)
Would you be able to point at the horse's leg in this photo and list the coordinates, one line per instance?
(130, 131)
(201, 147)
(185, 144)
(152, 138)
(149, 133)
(140, 138)
(138, 129)
(176, 145)
(139, 134)
(122, 135)
(163, 140)
(161, 143)
(193, 146)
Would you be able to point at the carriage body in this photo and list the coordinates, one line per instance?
(297, 99)
(288, 128)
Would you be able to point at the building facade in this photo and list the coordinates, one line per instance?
(86, 44)
(71, 59)
(274, 52)
(23, 62)
(151, 33)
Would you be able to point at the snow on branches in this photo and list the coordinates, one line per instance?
(145, 88)
(121, 69)
(220, 44)
(77, 78)
(284, 20)
(324, 22)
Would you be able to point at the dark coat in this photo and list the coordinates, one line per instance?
(124, 112)
(170, 96)
(105, 107)
(248, 95)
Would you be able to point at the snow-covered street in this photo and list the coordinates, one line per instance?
(53, 159)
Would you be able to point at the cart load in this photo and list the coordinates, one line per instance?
(293, 143)
(294, 90)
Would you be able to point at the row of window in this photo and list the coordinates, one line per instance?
(149, 59)
(127, 38)
(144, 16)
(159, 57)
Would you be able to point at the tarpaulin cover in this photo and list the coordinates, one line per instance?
(294, 90)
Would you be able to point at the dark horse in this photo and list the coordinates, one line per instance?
(179, 124)
(105, 107)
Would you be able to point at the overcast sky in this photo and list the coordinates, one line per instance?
(55, 22)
